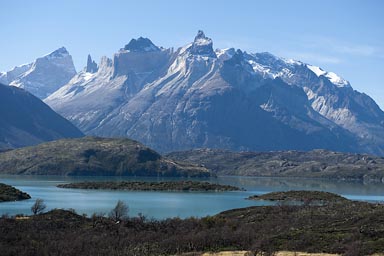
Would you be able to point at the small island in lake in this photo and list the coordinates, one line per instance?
(300, 196)
(9, 193)
(152, 186)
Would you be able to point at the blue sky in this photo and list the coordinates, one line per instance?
(343, 36)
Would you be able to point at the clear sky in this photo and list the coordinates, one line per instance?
(343, 36)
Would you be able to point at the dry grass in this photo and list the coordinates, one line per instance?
(226, 253)
(22, 218)
(286, 253)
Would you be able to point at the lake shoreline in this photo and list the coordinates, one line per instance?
(179, 204)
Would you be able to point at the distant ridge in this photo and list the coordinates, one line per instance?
(25, 120)
(310, 164)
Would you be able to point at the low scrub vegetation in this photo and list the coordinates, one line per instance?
(301, 196)
(346, 227)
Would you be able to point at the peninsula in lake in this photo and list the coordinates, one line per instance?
(10, 193)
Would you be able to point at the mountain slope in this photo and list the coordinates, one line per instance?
(26, 120)
(94, 156)
(331, 96)
(43, 76)
(198, 97)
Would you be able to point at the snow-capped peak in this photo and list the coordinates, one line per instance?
(332, 77)
(43, 76)
(141, 45)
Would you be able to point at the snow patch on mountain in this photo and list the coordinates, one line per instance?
(225, 54)
(334, 78)
(337, 80)
(263, 70)
(318, 71)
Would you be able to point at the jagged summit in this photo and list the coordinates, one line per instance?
(91, 65)
(202, 45)
(200, 35)
(141, 45)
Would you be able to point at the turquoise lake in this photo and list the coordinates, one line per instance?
(162, 205)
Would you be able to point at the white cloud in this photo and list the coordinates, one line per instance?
(336, 46)
(359, 50)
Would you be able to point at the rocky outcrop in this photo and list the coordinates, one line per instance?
(91, 65)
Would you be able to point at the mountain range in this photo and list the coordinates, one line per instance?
(195, 97)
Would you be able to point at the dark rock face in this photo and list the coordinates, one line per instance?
(91, 65)
(25, 120)
(138, 64)
(141, 45)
